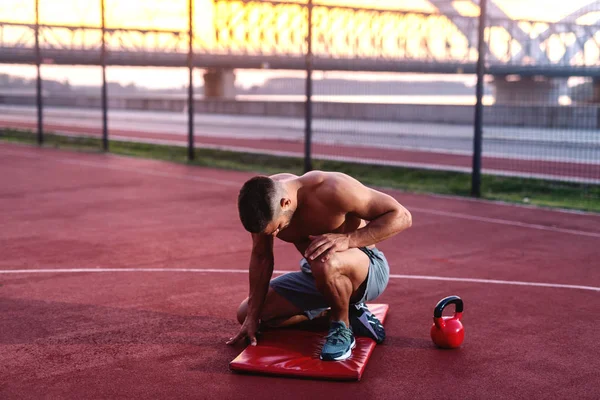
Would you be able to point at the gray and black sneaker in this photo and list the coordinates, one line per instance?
(338, 343)
(364, 323)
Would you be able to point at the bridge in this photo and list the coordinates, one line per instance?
(252, 34)
(272, 34)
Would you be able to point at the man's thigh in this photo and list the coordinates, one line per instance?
(367, 268)
(296, 293)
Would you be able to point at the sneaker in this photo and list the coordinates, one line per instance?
(338, 343)
(364, 323)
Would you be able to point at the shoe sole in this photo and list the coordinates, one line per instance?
(344, 356)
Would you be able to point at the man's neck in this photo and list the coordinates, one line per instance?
(292, 190)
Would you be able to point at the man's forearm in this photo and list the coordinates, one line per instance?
(381, 228)
(261, 270)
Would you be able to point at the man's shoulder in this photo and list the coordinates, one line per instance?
(329, 185)
(335, 186)
(328, 177)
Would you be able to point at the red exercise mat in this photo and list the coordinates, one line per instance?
(295, 352)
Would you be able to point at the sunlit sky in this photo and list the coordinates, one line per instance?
(172, 14)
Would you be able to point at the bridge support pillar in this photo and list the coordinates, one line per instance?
(219, 83)
(596, 90)
(513, 89)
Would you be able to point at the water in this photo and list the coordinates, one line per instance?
(464, 100)
(370, 99)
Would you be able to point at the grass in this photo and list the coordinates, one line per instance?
(538, 192)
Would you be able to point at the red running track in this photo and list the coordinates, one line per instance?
(558, 170)
(161, 334)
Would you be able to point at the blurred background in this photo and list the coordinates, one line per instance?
(384, 90)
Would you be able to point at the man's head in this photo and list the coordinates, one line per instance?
(263, 206)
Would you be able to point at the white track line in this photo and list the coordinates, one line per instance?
(505, 222)
(495, 281)
(245, 271)
(225, 182)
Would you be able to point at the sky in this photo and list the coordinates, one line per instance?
(172, 15)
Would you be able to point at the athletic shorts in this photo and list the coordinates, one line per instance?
(299, 287)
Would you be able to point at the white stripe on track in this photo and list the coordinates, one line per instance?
(505, 222)
(496, 281)
(245, 271)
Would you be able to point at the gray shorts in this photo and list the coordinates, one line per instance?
(299, 287)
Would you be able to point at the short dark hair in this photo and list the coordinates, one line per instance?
(255, 203)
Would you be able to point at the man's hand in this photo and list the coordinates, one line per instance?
(248, 330)
(324, 246)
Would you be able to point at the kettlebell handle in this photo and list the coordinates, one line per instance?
(439, 308)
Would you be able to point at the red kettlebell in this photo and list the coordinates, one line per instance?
(448, 332)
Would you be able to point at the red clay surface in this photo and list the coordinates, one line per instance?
(162, 334)
(410, 157)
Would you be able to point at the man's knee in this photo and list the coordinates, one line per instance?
(333, 273)
(267, 312)
(242, 311)
(325, 272)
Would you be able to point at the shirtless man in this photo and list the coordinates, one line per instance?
(334, 222)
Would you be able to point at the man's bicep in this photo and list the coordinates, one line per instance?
(376, 204)
(367, 203)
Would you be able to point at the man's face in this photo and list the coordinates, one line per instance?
(279, 223)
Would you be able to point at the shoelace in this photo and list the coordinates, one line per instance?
(339, 331)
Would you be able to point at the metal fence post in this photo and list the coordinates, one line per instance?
(104, 89)
(190, 65)
(308, 106)
(38, 89)
(477, 137)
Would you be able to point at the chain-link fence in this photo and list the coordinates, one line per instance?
(543, 128)
(392, 87)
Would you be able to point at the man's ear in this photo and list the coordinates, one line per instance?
(285, 203)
